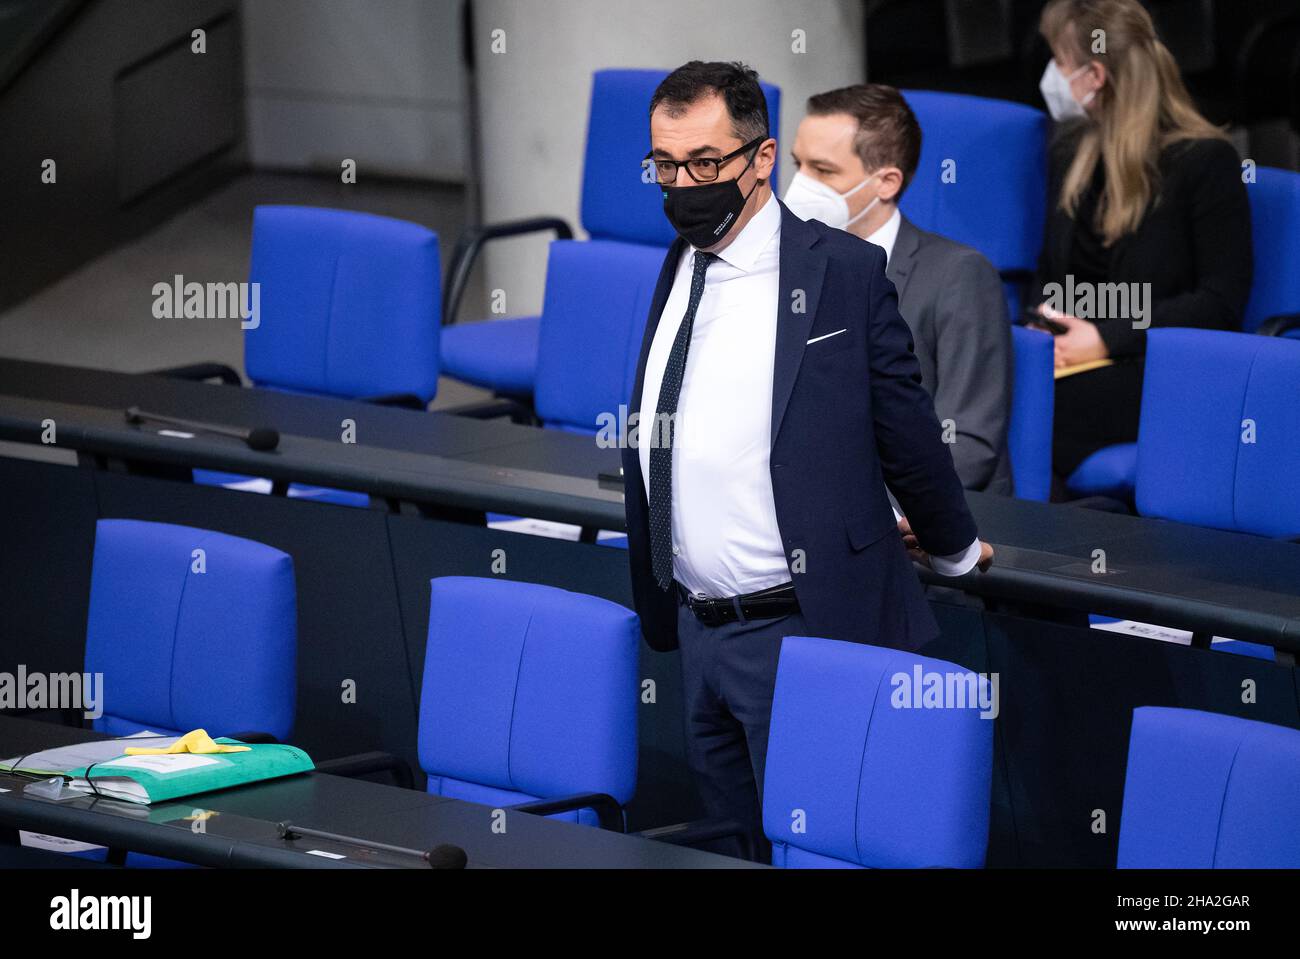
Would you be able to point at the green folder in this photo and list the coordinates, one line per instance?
(158, 778)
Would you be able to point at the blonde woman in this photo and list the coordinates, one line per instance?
(1148, 223)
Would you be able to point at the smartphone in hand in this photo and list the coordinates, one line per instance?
(1031, 317)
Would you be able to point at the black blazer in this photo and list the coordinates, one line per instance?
(848, 414)
(1193, 245)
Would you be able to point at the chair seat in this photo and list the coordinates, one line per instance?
(1111, 471)
(498, 355)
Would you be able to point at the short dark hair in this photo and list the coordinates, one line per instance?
(736, 83)
(888, 134)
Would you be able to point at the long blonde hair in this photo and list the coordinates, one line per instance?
(1142, 108)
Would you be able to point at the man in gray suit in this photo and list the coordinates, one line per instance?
(855, 153)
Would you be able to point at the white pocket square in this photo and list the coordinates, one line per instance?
(826, 336)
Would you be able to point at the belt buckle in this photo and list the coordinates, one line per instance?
(706, 611)
(707, 614)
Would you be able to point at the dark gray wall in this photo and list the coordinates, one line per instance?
(138, 125)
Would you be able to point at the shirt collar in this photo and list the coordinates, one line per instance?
(887, 235)
(752, 240)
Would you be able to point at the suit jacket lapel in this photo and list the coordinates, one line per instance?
(903, 257)
(802, 270)
(667, 274)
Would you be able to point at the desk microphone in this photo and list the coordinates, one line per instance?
(442, 856)
(261, 438)
(446, 856)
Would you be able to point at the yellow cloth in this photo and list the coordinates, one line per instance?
(197, 741)
(1063, 371)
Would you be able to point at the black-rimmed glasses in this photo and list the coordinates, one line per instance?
(699, 169)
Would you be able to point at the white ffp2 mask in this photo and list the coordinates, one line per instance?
(810, 199)
(1055, 88)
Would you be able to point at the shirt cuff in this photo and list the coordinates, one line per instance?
(954, 564)
(957, 564)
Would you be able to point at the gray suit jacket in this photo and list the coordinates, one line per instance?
(952, 299)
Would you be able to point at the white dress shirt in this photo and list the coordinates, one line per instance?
(887, 234)
(726, 540)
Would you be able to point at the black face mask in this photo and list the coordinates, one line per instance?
(703, 214)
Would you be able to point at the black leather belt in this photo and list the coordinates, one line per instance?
(767, 603)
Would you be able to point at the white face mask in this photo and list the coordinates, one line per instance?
(1055, 87)
(810, 199)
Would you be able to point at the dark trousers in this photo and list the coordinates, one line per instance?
(1093, 410)
(728, 677)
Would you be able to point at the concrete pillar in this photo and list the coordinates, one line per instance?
(532, 98)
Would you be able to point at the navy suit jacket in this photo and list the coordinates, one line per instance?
(849, 414)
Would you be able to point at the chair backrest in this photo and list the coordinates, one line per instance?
(862, 772)
(1275, 228)
(1219, 439)
(1033, 404)
(1207, 791)
(530, 692)
(617, 203)
(594, 313)
(982, 176)
(349, 303)
(191, 629)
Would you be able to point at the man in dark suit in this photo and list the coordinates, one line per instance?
(856, 151)
(777, 393)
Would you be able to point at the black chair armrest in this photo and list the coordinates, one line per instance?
(253, 737)
(700, 831)
(202, 371)
(471, 243)
(608, 812)
(365, 764)
(405, 400)
(1279, 325)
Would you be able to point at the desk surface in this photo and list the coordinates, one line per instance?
(243, 833)
(1230, 584)
(403, 454)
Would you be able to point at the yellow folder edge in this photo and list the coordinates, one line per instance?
(1062, 371)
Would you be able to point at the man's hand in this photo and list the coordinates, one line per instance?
(919, 555)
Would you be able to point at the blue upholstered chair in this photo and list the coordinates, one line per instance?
(597, 300)
(617, 206)
(982, 179)
(349, 308)
(854, 780)
(1219, 443)
(530, 693)
(188, 639)
(1275, 229)
(1219, 440)
(1273, 309)
(1207, 791)
(183, 649)
(1033, 401)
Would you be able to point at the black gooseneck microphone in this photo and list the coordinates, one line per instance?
(442, 856)
(261, 438)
